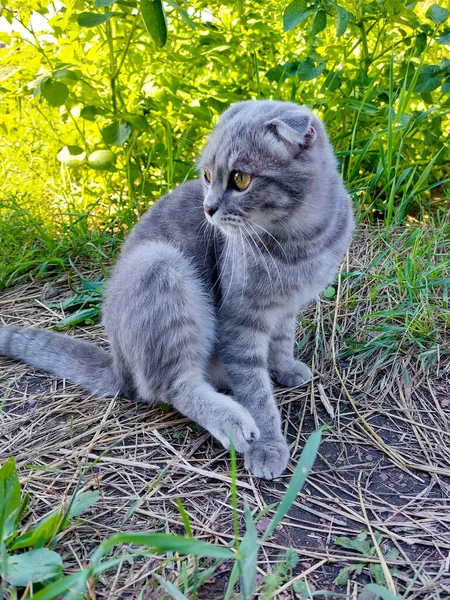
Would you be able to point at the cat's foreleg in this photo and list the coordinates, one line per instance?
(285, 370)
(244, 342)
(161, 324)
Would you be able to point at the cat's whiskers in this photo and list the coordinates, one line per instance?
(274, 238)
(205, 228)
(219, 259)
(244, 263)
(288, 229)
(269, 253)
(263, 260)
(233, 260)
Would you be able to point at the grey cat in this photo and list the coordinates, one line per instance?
(209, 282)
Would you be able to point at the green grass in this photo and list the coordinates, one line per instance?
(30, 556)
(402, 298)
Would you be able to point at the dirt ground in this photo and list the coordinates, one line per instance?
(384, 464)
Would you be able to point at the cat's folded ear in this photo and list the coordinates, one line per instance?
(293, 129)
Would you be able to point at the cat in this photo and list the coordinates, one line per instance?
(205, 293)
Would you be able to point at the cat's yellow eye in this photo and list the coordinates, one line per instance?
(207, 175)
(240, 180)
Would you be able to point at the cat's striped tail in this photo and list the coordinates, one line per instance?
(64, 356)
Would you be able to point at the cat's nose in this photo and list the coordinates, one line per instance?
(209, 210)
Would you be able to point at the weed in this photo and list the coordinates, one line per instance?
(361, 543)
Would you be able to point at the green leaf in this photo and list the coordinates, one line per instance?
(346, 572)
(49, 526)
(342, 17)
(163, 542)
(307, 70)
(102, 160)
(360, 543)
(9, 497)
(116, 134)
(303, 589)
(138, 121)
(154, 18)
(295, 13)
(291, 558)
(444, 38)
(427, 85)
(234, 576)
(421, 43)
(82, 502)
(184, 517)
(182, 12)
(79, 317)
(319, 23)
(377, 572)
(71, 156)
(437, 14)
(89, 112)
(393, 7)
(88, 19)
(282, 72)
(330, 292)
(248, 551)
(446, 86)
(34, 565)
(384, 593)
(170, 588)
(104, 2)
(22, 510)
(96, 286)
(53, 590)
(298, 479)
(55, 92)
(44, 531)
(66, 74)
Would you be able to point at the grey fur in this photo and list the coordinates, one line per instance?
(195, 304)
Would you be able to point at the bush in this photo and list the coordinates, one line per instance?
(101, 114)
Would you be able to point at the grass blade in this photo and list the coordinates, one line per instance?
(163, 542)
(234, 576)
(185, 517)
(382, 592)
(248, 551)
(63, 585)
(170, 588)
(298, 479)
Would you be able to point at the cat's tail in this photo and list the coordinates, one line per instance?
(64, 356)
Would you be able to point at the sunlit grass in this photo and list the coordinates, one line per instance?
(405, 308)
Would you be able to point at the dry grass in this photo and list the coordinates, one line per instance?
(384, 464)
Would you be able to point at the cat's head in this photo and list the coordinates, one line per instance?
(261, 166)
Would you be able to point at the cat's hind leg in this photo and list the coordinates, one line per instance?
(158, 313)
(284, 369)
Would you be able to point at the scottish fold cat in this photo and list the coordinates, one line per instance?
(205, 294)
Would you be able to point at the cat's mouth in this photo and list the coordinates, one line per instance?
(229, 228)
(229, 225)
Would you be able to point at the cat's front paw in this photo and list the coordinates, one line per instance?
(295, 374)
(267, 459)
(238, 424)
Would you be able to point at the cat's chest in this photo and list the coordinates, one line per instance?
(276, 282)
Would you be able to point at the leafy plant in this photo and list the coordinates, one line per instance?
(106, 104)
(362, 544)
(44, 564)
(85, 304)
(281, 573)
(38, 563)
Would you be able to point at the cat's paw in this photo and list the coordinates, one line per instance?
(295, 374)
(237, 424)
(267, 459)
